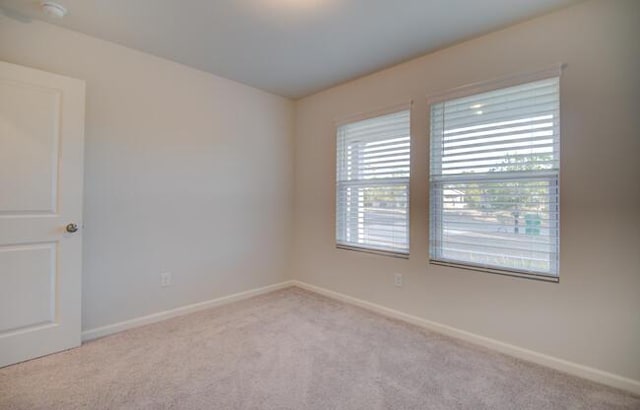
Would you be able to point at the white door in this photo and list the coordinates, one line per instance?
(41, 150)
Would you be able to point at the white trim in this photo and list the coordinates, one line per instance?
(179, 311)
(361, 116)
(488, 269)
(562, 365)
(575, 369)
(374, 251)
(496, 83)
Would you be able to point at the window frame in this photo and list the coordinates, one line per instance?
(554, 71)
(392, 109)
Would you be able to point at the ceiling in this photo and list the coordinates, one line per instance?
(289, 47)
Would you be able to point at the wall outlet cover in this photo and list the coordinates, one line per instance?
(165, 279)
(397, 279)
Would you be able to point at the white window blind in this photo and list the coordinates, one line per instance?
(495, 159)
(372, 190)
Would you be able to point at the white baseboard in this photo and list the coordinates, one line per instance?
(562, 365)
(575, 369)
(182, 310)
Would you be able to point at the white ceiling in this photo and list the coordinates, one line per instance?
(289, 47)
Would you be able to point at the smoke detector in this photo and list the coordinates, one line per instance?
(53, 9)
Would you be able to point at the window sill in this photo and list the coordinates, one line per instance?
(504, 272)
(401, 255)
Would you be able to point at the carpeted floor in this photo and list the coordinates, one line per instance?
(292, 349)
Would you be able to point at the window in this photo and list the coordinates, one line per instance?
(495, 159)
(372, 189)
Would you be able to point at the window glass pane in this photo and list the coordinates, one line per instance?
(372, 192)
(494, 179)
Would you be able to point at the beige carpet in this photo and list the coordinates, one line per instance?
(292, 349)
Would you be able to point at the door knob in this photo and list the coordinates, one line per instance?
(71, 228)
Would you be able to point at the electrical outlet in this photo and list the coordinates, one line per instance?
(397, 279)
(165, 279)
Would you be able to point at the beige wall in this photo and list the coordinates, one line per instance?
(591, 316)
(185, 172)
